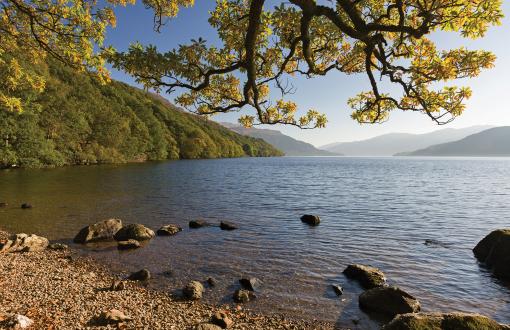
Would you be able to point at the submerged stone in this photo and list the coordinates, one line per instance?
(312, 220)
(369, 277)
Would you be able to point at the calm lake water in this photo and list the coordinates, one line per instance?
(376, 211)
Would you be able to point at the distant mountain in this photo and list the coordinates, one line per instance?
(390, 144)
(491, 142)
(290, 146)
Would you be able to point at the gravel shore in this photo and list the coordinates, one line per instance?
(60, 290)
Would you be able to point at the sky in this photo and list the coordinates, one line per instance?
(487, 106)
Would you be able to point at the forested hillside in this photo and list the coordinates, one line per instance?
(76, 120)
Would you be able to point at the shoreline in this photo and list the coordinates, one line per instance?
(62, 290)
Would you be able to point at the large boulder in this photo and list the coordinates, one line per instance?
(193, 290)
(24, 243)
(168, 230)
(369, 277)
(494, 251)
(134, 231)
(100, 231)
(440, 321)
(388, 301)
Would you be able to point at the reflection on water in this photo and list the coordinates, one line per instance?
(376, 211)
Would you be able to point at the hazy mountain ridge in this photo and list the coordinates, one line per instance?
(394, 143)
(285, 143)
(488, 143)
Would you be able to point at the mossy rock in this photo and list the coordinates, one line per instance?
(494, 251)
(443, 321)
(369, 277)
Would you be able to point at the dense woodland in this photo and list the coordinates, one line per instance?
(77, 120)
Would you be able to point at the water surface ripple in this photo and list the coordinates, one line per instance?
(376, 211)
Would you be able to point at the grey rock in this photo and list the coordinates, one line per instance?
(26, 206)
(15, 321)
(100, 231)
(141, 275)
(24, 243)
(168, 230)
(388, 301)
(193, 290)
(443, 321)
(212, 282)
(494, 251)
(369, 277)
(134, 231)
(338, 289)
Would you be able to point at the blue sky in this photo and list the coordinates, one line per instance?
(329, 94)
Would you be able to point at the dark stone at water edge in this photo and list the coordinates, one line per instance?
(369, 277)
(198, 223)
(494, 251)
(134, 231)
(312, 220)
(225, 225)
(338, 289)
(3, 204)
(212, 282)
(251, 284)
(128, 245)
(168, 230)
(388, 301)
(243, 296)
(443, 321)
(141, 275)
(26, 206)
(100, 231)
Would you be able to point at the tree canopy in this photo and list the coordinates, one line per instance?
(264, 44)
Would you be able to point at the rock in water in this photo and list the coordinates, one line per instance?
(26, 206)
(243, 296)
(134, 231)
(389, 301)
(3, 204)
(439, 321)
(193, 290)
(212, 282)
(338, 289)
(251, 284)
(494, 251)
(113, 316)
(100, 231)
(221, 319)
(24, 243)
(198, 224)
(312, 220)
(225, 225)
(168, 230)
(369, 277)
(128, 245)
(141, 275)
